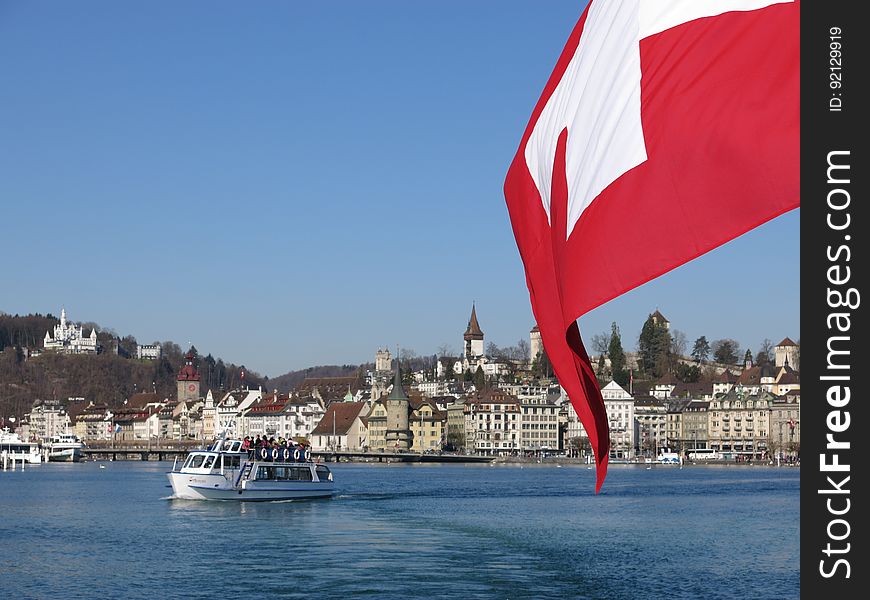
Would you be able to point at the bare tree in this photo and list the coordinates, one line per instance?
(523, 349)
(445, 350)
(679, 343)
(601, 343)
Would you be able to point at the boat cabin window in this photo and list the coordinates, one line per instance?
(196, 461)
(323, 473)
(236, 447)
(231, 462)
(298, 473)
(208, 462)
(284, 473)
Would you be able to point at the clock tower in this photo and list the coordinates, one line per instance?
(188, 380)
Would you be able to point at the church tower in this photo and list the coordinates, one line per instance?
(473, 337)
(188, 380)
(398, 409)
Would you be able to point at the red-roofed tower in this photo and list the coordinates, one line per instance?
(188, 380)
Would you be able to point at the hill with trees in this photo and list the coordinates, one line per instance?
(108, 377)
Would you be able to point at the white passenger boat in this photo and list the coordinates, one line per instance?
(64, 448)
(13, 448)
(226, 472)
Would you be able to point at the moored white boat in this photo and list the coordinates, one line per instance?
(13, 448)
(64, 448)
(226, 472)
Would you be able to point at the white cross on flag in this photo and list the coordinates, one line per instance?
(667, 128)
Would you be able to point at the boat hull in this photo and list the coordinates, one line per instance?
(221, 487)
(65, 455)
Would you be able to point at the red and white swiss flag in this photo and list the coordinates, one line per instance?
(667, 128)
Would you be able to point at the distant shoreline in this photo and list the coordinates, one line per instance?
(619, 463)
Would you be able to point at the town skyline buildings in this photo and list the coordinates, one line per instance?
(222, 183)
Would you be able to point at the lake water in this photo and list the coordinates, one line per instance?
(407, 531)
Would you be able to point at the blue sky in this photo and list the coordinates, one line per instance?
(288, 184)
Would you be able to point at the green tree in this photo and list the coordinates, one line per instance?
(479, 379)
(726, 351)
(618, 368)
(654, 345)
(688, 373)
(701, 350)
(541, 366)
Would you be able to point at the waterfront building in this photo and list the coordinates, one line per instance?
(281, 415)
(266, 417)
(738, 422)
(209, 412)
(67, 338)
(492, 422)
(186, 420)
(343, 427)
(695, 425)
(785, 424)
(455, 435)
(539, 423)
(619, 406)
(164, 421)
(376, 423)
(651, 424)
(46, 419)
(94, 423)
(301, 416)
(188, 380)
(135, 423)
(674, 426)
(148, 351)
(428, 425)
(230, 409)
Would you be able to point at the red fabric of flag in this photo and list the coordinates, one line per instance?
(667, 128)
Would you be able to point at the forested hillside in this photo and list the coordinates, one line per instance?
(109, 377)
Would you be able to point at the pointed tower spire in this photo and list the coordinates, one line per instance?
(473, 338)
(473, 330)
(398, 392)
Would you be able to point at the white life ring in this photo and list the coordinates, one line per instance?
(296, 454)
(264, 453)
(286, 454)
(274, 454)
(308, 454)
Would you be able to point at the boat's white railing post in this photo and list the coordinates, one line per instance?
(175, 462)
